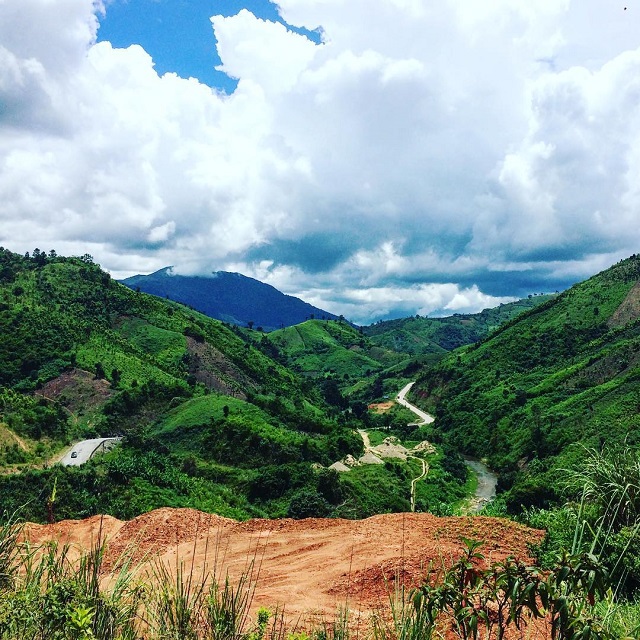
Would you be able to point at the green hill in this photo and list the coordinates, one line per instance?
(210, 420)
(83, 356)
(420, 335)
(555, 379)
(321, 348)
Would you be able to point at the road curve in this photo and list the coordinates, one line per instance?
(425, 470)
(85, 450)
(400, 399)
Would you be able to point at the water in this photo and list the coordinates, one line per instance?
(487, 481)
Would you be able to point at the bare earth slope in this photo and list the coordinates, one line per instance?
(313, 566)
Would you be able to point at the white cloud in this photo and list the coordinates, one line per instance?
(260, 51)
(424, 157)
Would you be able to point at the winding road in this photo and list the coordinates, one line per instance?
(487, 480)
(400, 399)
(425, 419)
(425, 470)
(85, 450)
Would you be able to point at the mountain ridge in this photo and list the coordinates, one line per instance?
(230, 297)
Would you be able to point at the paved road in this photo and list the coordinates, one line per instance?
(425, 417)
(86, 449)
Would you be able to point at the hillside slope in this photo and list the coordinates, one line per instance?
(205, 413)
(555, 379)
(420, 335)
(230, 297)
(328, 348)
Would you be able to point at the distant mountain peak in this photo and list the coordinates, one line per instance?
(229, 296)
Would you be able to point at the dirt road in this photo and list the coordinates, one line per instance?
(425, 470)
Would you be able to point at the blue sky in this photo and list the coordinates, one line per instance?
(420, 157)
(178, 33)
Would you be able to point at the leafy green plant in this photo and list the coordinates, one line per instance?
(510, 593)
(10, 529)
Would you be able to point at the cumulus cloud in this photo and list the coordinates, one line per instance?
(423, 158)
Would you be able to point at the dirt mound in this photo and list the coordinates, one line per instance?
(156, 532)
(380, 407)
(78, 533)
(313, 565)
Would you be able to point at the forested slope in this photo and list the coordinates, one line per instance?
(330, 348)
(422, 335)
(560, 377)
(205, 413)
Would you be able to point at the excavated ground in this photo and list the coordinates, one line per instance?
(312, 567)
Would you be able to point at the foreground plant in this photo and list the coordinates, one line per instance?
(477, 602)
(58, 597)
(408, 618)
(9, 533)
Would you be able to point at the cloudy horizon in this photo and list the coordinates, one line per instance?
(382, 159)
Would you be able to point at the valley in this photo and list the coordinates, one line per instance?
(322, 425)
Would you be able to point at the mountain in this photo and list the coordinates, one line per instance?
(420, 335)
(552, 381)
(328, 348)
(210, 421)
(230, 297)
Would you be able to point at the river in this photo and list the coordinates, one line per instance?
(487, 480)
(486, 490)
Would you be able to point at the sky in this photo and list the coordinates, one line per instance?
(377, 158)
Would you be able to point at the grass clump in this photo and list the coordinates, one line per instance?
(48, 593)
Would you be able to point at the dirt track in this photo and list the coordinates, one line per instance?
(313, 566)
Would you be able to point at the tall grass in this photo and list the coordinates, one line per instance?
(47, 592)
(190, 606)
(9, 534)
(55, 595)
(407, 617)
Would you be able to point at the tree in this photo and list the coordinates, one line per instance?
(100, 373)
(308, 503)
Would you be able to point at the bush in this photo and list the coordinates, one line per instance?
(308, 503)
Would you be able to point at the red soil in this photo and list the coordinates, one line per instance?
(312, 566)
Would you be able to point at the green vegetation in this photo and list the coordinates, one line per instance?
(205, 413)
(210, 419)
(555, 379)
(329, 348)
(422, 335)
